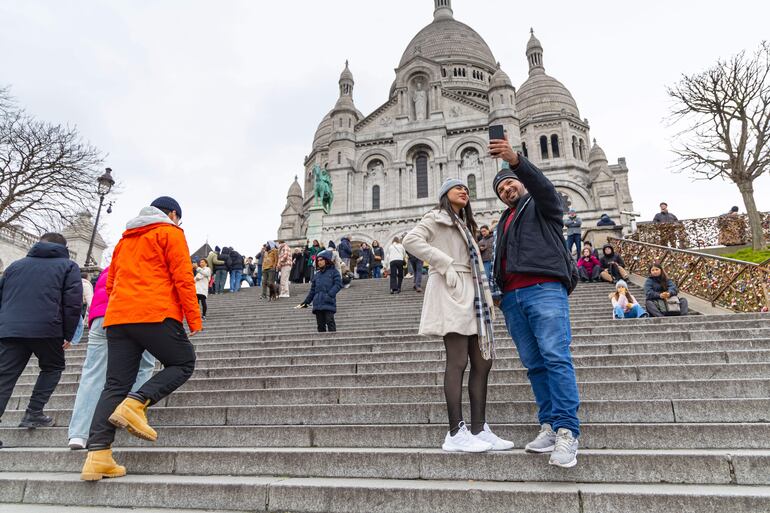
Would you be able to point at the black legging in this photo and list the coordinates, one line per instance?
(396, 274)
(202, 301)
(458, 349)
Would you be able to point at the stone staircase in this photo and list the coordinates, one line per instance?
(675, 412)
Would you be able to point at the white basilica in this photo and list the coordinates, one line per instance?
(386, 167)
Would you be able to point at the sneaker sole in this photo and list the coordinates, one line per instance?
(118, 421)
(76, 447)
(532, 450)
(35, 425)
(569, 464)
(444, 447)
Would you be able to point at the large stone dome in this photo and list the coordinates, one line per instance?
(542, 94)
(447, 38)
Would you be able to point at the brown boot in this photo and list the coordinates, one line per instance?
(100, 464)
(131, 414)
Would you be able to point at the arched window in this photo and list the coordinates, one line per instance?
(339, 157)
(544, 147)
(376, 197)
(574, 147)
(555, 146)
(421, 165)
(524, 149)
(443, 72)
(350, 122)
(582, 150)
(472, 186)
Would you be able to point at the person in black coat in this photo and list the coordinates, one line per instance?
(345, 250)
(235, 266)
(658, 289)
(605, 220)
(613, 266)
(40, 298)
(365, 261)
(325, 285)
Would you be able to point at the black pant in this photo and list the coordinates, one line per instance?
(325, 321)
(166, 341)
(396, 274)
(203, 305)
(14, 356)
(595, 272)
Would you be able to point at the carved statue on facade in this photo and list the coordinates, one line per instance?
(420, 103)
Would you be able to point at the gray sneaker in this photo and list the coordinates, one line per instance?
(565, 452)
(544, 441)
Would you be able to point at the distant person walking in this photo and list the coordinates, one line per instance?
(284, 267)
(487, 248)
(40, 300)
(151, 292)
(458, 307)
(220, 270)
(416, 264)
(202, 277)
(395, 260)
(378, 256)
(365, 261)
(260, 259)
(269, 265)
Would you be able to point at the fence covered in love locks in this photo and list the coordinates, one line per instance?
(726, 230)
(732, 284)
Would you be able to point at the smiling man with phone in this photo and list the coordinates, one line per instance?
(535, 274)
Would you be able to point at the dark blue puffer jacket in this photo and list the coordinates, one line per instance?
(41, 295)
(325, 285)
(345, 250)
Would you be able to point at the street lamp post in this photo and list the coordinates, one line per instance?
(105, 185)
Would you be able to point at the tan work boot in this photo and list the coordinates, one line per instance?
(131, 414)
(100, 464)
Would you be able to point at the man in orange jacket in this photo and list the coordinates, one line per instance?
(151, 291)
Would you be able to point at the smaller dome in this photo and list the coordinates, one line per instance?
(323, 134)
(500, 79)
(542, 94)
(596, 154)
(534, 43)
(295, 191)
(346, 73)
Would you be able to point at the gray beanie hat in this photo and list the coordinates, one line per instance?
(621, 283)
(449, 184)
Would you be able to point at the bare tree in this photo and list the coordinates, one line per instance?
(723, 115)
(47, 173)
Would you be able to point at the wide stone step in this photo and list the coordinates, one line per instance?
(592, 411)
(743, 467)
(435, 377)
(252, 493)
(593, 436)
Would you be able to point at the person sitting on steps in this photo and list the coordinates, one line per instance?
(613, 266)
(624, 305)
(588, 266)
(658, 290)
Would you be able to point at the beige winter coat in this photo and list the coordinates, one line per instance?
(439, 242)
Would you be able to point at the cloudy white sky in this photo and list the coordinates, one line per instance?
(216, 103)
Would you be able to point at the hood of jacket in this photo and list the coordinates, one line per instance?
(48, 250)
(611, 249)
(148, 216)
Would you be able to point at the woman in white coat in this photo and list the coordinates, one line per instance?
(458, 306)
(395, 258)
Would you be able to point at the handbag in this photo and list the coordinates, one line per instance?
(673, 306)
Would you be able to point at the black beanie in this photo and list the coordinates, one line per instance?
(503, 174)
(167, 203)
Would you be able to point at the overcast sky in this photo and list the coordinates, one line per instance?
(216, 103)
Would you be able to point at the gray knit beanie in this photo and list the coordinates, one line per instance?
(449, 184)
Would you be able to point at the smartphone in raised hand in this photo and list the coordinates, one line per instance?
(496, 132)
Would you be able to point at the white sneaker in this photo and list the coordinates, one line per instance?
(77, 443)
(544, 442)
(565, 452)
(284, 295)
(497, 443)
(464, 441)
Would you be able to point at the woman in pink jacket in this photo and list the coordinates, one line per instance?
(589, 267)
(94, 373)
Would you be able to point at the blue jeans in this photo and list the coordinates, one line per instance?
(248, 279)
(235, 280)
(574, 239)
(635, 312)
(377, 272)
(93, 377)
(537, 318)
(259, 274)
(219, 281)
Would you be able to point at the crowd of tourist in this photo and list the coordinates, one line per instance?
(135, 313)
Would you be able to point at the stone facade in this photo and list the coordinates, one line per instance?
(387, 167)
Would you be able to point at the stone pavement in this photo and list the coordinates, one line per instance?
(675, 412)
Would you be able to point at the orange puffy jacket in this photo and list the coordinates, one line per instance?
(150, 278)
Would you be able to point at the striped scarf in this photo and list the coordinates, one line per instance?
(482, 299)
